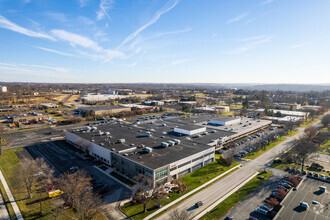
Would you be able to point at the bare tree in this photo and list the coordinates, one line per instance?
(302, 149)
(180, 215)
(30, 172)
(77, 189)
(146, 191)
(325, 120)
(310, 132)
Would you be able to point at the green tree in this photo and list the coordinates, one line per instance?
(185, 108)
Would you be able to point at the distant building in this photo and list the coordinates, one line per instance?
(101, 97)
(104, 109)
(3, 88)
(111, 92)
(28, 117)
(303, 115)
(287, 106)
(216, 109)
(49, 105)
(153, 103)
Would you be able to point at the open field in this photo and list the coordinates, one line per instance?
(309, 122)
(192, 181)
(74, 98)
(256, 154)
(291, 133)
(228, 113)
(223, 208)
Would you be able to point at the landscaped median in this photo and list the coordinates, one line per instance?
(235, 197)
(199, 178)
(261, 151)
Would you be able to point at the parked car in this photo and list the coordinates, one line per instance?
(310, 174)
(316, 175)
(198, 204)
(261, 211)
(322, 177)
(328, 179)
(265, 208)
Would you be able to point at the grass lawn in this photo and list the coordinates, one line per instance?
(192, 181)
(291, 133)
(309, 122)
(58, 117)
(26, 129)
(28, 207)
(262, 150)
(283, 166)
(226, 205)
(228, 113)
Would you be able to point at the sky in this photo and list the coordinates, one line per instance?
(165, 41)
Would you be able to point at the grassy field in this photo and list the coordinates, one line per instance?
(256, 154)
(309, 122)
(192, 181)
(27, 129)
(226, 205)
(74, 98)
(291, 133)
(28, 207)
(228, 113)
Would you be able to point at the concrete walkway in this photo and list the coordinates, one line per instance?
(190, 193)
(10, 197)
(3, 210)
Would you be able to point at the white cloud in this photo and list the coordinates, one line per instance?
(297, 46)
(5, 23)
(214, 35)
(31, 68)
(83, 3)
(250, 45)
(176, 62)
(167, 7)
(266, 2)
(75, 39)
(248, 21)
(54, 51)
(105, 5)
(237, 18)
(58, 17)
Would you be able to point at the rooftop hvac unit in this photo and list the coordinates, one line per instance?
(176, 141)
(107, 133)
(121, 140)
(94, 128)
(171, 143)
(147, 149)
(164, 144)
(148, 134)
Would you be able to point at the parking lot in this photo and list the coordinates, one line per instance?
(61, 156)
(309, 192)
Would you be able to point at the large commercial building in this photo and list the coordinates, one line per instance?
(302, 115)
(104, 109)
(161, 148)
(101, 97)
(28, 117)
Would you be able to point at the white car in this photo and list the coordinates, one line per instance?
(322, 177)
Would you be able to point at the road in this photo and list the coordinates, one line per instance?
(217, 190)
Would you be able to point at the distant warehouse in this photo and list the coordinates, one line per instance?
(104, 109)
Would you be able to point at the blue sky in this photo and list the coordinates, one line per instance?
(165, 41)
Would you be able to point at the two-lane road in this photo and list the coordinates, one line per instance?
(220, 188)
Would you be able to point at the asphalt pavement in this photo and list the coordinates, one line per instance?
(217, 190)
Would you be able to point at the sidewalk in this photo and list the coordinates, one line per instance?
(3, 210)
(190, 193)
(10, 197)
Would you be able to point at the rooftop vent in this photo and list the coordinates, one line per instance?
(176, 141)
(171, 143)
